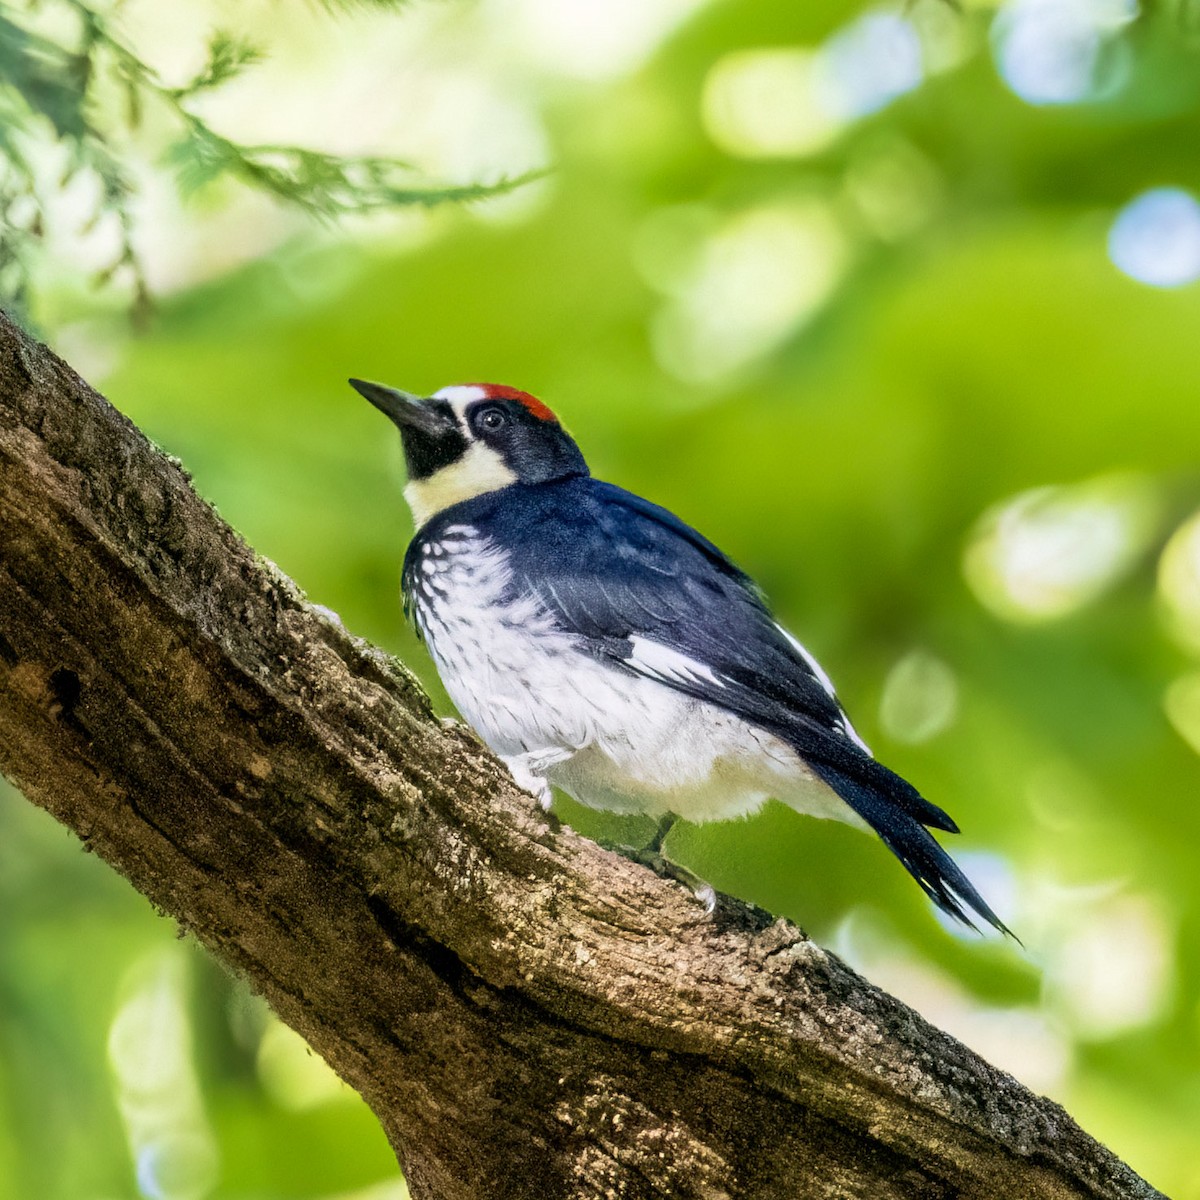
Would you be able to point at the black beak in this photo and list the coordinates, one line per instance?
(405, 409)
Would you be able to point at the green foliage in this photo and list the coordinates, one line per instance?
(352, 5)
(56, 89)
(325, 185)
(227, 56)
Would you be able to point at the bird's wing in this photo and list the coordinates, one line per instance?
(645, 591)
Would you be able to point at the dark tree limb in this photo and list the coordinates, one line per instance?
(527, 1014)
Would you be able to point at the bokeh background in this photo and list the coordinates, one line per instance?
(895, 303)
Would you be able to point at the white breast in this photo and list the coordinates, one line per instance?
(498, 658)
(632, 743)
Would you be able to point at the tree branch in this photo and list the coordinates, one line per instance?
(528, 1015)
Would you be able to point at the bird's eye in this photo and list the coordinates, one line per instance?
(492, 419)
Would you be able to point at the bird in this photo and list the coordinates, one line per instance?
(600, 645)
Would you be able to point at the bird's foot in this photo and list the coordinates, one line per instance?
(529, 772)
(652, 856)
(700, 888)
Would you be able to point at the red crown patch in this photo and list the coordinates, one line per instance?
(497, 391)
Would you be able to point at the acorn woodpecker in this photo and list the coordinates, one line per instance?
(600, 645)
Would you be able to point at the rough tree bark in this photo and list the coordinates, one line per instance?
(527, 1014)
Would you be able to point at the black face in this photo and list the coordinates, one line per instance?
(535, 449)
(434, 443)
(428, 428)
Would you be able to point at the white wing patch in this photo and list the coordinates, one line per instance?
(661, 662)
(827, 683)
(853, 735)
(814, 666)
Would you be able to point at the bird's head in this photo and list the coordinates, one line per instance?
(473, 438)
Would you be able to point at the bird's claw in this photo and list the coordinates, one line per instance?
(651, 856)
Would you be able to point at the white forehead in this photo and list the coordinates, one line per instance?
(460, 395)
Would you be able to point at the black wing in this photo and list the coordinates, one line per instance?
(613, 568)
(628, 576)
(621, 572)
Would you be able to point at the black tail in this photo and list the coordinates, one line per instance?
(907, 838)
